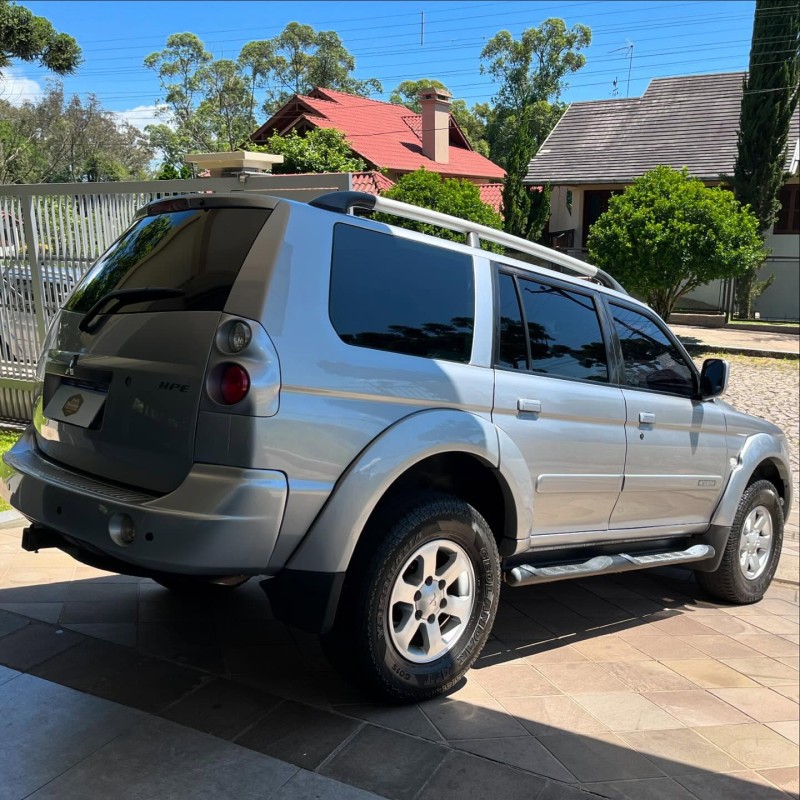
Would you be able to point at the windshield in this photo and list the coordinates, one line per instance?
(198, 251)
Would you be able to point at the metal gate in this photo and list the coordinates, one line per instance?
(50, 234)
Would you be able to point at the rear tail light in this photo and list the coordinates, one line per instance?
(234, 384)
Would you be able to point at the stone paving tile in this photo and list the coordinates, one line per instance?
(789, 730)
(755, 746)
(786, 778)
(221, 708)
(628, 712)
(158, 758)
(599, 757)
(406, 719)
(649, 788)
(720, 646)
(468, 777)
(7, 674)
(523, 752)
(776, 624)
(681, 752)
(550, 653)
(648, 676)
(385, 762)
(581, 678)
(121, 633)
(44, 612)
(299, 734)
(513, 680)
(307, 785)
(766, 671)
(769, 644)
(763, 705)
(11, 622)
(472, 719)
(736, 786)
(554, 714)
(47, 728)
(610, 648)
(792, 692)
(662, 647)
(696, 708)
(35, 643)
(710, 674)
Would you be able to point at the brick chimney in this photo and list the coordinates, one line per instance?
(435, 105)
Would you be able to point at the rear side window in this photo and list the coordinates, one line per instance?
(394, 294)
(564, 333)
(199, 251)
(651, 360)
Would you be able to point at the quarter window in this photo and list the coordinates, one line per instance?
(403, 296)
(651, 360)
(563, 331)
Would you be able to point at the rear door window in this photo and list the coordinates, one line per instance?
(403, 296)
(565, 339)
(199, 251)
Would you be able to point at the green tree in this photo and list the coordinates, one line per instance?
(471, 123)
(209, 105)
(26, 37)
(532, 73)
(459, 198)
(56, 139)
(667, 234)
(769, 99)
(319, 150)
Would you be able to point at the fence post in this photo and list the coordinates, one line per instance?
(37, 282)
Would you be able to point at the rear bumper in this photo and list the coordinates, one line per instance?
(219, 521)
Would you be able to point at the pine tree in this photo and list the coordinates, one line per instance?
(769, 98)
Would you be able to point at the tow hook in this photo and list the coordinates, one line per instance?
(36, 538)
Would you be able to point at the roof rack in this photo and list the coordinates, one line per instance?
(346, 202)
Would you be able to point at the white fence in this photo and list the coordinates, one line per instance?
(50, 234)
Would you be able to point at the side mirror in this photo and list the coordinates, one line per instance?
(714, 378)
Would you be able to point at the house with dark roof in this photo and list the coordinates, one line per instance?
(599, 147)
(390, 138)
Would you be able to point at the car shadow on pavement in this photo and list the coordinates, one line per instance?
(633, 686)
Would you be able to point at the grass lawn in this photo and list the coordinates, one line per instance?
(7, 439)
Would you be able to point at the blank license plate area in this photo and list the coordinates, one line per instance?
(75, 404)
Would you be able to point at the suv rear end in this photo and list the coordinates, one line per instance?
(141, 346)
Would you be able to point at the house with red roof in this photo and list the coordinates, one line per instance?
(391, 139)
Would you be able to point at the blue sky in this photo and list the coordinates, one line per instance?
(669, 37)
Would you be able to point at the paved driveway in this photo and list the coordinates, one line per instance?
(635, 686)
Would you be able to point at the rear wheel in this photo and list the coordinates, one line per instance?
(419, 601)
(753, 548)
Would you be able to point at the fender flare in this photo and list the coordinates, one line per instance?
(331, 540)
(757, 448)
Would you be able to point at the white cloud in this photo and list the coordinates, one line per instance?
(140, 116)
(16, 88)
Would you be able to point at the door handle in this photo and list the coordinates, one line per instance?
(647, 418)
(529, 406)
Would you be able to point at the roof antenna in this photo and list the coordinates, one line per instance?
(629, 54)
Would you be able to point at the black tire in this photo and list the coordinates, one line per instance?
(361, 643)
(729, 582)
(200, 588)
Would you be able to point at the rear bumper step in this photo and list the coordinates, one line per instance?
(526, 574)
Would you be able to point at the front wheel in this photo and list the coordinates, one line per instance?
(419, 602)
(753, 548)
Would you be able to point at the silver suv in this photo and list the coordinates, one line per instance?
(383, 426)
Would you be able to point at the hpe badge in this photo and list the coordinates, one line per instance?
(72, 406)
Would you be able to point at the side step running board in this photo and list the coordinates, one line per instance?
(525, 574)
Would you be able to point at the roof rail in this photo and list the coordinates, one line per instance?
(345, 202)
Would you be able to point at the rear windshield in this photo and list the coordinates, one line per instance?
(199, 251)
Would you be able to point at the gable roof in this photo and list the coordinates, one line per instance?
(385, 135)
(690, 121)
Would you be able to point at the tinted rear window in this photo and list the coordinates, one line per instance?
(199, 251)
(390, 293)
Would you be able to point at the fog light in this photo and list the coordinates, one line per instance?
(121, 529)
(239, 337)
